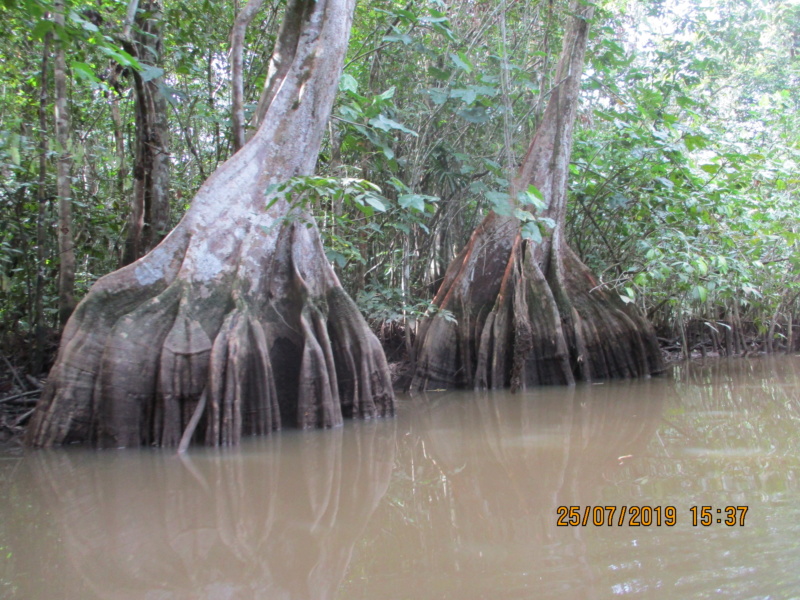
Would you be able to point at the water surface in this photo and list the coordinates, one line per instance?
(457, 497)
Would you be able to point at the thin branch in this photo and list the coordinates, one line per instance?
(186, 438)
(18, 396)
(13, 372)
(243, 19)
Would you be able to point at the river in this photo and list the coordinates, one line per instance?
(458, 497)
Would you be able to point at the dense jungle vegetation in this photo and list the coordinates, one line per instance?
(683, 191)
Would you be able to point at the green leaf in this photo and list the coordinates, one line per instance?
(628, 296)
(374, 202)
(13, 149)
(385, 95)
(531, 231)
(484, 90)
(700, 293)
(122, 57)
(477, 114)
(83, 71)
(348, 83)
(440, 74)
(500, 203)
(438, 95)
(86, 25)
(350, 112)
(386, 124)
(533, 197)
(41, 29)
(468, 96)
(412, 201)
(711, 169)
(461, 61)
(445, 31)
(665, 182)
(523, 215)
(149, 73)
(402, 37)
(368, 211)
(172, 95)
(371, 135)
(337, 257)
(693, 142)
(547, 222)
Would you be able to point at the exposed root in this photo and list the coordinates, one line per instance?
(364, 382)
(318, 398)
(188, 433)
(243, 399)
(65, 413)
(232, 307)
(550, 323)
(533, 314)
(162, 373)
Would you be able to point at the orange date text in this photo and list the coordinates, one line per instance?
(610, 516)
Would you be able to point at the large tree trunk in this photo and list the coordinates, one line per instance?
(236, 318)
(531, 313)
(149, 216)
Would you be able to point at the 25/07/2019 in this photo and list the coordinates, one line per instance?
(645, 516)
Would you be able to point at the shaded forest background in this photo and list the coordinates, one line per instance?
(683, 189)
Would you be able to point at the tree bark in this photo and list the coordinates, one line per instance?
(531, 313)
(238, 303)
(149, 216)
(66, 246)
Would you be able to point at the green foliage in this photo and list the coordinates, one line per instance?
(421, 113)
(686, 175)
(388, 305)
(683, 184)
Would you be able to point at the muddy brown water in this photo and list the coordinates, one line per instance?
(458, 497)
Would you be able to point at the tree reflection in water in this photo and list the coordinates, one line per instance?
(473, 511)
(277, 519)
(470, 512)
